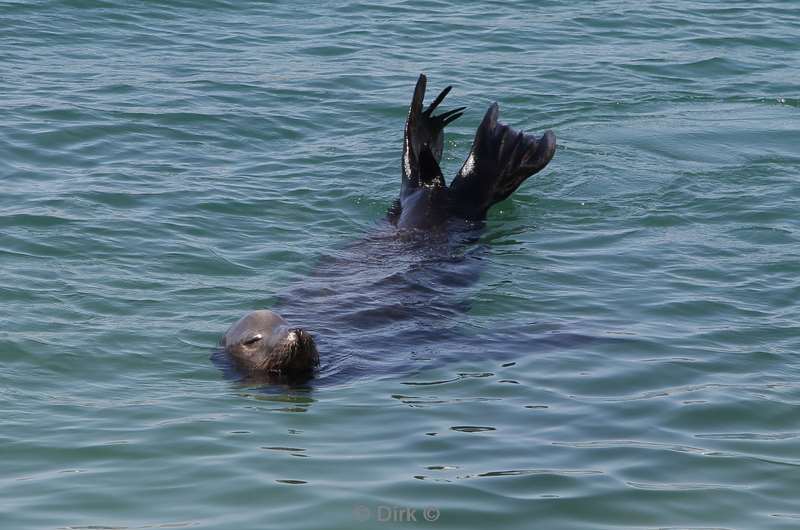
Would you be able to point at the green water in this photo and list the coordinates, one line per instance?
(624, 354)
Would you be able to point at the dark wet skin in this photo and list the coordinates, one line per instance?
(400, 284)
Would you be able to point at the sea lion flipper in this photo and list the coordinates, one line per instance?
(424, 129)
(450, 116)
(438, 100)
(500, 160)
(440, 121)
(430, 173)
(416, 100)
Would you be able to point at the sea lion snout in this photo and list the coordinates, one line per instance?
(300, 352)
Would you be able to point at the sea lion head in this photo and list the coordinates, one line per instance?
(262, 342)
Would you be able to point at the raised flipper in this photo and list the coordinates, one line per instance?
(501, 159)
(423, 129)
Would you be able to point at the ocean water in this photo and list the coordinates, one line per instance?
(619, 346)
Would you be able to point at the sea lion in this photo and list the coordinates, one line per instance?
(262, 342)
(501, 159)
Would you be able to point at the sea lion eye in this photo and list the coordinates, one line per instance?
(252, 340)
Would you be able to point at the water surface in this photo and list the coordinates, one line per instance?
(619, 348)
